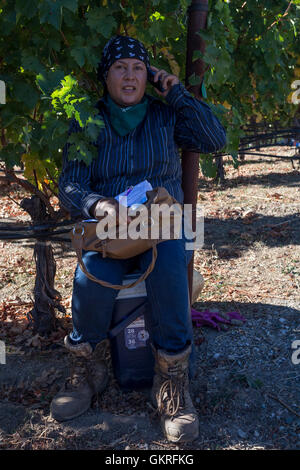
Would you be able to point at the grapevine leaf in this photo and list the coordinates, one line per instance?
(26, 8)
(71, 5)
(25, 93)
(11, 154)
(48, 81)
(50, 12)
(101, 22)
(208, 166)
(79, 56)
(31, 62)
(194, 80)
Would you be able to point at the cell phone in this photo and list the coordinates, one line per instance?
(158, 85)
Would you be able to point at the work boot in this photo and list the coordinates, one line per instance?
(89, 376)
(170, 393)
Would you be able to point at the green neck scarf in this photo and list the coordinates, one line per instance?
(124, 120)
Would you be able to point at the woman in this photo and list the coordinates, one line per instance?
(140, 141)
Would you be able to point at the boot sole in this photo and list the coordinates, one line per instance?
(180, 439)
(67, 418)
(183, 438)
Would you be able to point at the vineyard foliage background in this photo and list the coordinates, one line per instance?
(49, 51)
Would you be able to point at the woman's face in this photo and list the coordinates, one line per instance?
(126, 81)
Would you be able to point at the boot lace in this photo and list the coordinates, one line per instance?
(171, 395)
(80, 373)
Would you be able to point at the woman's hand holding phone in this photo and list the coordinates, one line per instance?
(165, 79)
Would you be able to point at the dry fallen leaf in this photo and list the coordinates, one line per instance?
(275, 195)
(16, 330)
(34, 341)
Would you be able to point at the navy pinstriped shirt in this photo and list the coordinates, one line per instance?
(150, 151)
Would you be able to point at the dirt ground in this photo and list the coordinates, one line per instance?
(247, 385)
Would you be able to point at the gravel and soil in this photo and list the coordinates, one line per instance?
(247, 385)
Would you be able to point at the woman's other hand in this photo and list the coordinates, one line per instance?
(110, 207)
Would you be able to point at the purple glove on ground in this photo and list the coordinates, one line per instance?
(212, 319)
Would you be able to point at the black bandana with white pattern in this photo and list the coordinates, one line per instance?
(121, 47)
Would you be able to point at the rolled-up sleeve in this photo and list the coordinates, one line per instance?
(75, 193)
(197, 128)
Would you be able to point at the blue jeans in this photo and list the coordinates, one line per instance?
(167, 293)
